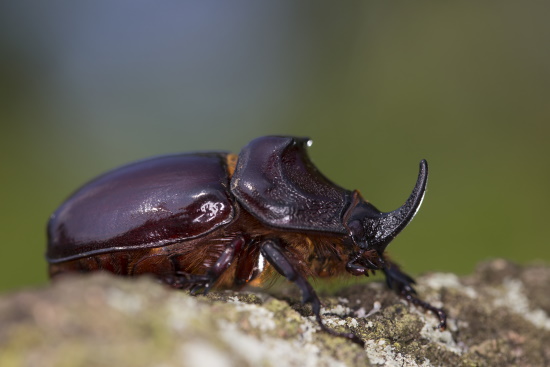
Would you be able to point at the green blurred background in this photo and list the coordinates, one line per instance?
(88, 86)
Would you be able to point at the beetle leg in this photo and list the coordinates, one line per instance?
(182, 280)
(275, 255)
(165, 268)
(224, 261)
(402, 284)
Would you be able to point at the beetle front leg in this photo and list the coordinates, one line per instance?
(402, 284)
(275, 255)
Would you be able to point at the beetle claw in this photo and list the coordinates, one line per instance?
(182, 280)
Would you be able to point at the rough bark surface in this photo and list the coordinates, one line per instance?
(499, 316)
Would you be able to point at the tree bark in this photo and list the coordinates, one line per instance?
(498, 316)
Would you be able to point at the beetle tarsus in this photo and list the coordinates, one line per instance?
(275, 255)
(402, 284)
(182, 280)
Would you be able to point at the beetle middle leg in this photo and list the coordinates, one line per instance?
(220, 266)
(402, 284)
(197, 283)
(275, 255)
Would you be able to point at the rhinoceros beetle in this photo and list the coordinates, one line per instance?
(209, 219)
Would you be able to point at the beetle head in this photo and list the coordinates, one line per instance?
(371, 229)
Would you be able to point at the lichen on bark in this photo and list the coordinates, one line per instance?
(498, 316)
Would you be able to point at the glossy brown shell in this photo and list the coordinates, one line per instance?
(146, 204)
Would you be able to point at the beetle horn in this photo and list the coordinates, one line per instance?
(391, 223)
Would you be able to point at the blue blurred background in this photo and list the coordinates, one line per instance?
(88, 86)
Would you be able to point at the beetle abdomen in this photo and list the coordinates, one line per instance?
(149, 203)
